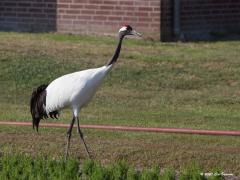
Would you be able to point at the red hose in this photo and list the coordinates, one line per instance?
(130, 128)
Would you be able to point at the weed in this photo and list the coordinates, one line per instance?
(192, 172)
(168, 174)
(153, 174)
(120, 170)
(216, 175)
(20, 166)
(133, 174)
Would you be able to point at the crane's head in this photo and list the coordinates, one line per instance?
(128, 30)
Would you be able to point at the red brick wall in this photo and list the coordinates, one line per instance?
(106, 16)
(80, 16)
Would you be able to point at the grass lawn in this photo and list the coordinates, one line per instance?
(190, 85)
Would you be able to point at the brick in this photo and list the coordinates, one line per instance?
(124, 2)
(155, 25)
(141, 14)
(65, 1)
(107, 7)
(130, 18)
(52, 16)
(64, 21)
(96, 23)
(7, 4)
(118, 13)
(24, 15)
(141, 3)
(114, 18)
(79, 22)
(103, 12)
(145, 9)
(72, 11)
(92, 6)
(76, 6)
(39, 5)
(41, 15)
(22, 4)
(9, 14)
(155, 14)
(144, 19)
(68, 16)
(146, 25)
(88, 12)
(61, 11)
(79, 1)
(96, 2)
(128, 8)
(50, 1)
(155, 3)
(109, 23)
(52, 6)
(62, 6)
(53, 11)
(102, 18)
(130, 14)
(35, 10)
(110, 2)
(84, 17)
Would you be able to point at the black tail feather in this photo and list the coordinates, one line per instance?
(54, 114)
(37, 104)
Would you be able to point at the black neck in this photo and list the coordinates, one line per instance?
(117, 52)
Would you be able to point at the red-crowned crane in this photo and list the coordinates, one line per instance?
(73, 90)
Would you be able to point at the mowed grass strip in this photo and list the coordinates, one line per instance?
(140, 150)
(191, 85)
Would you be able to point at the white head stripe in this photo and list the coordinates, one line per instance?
(124, 28)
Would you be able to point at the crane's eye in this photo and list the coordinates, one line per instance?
(129, 28)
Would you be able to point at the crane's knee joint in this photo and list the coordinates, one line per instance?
(80, 133)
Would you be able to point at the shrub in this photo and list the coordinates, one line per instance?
(25, 167)
(153, 174)
(192, 172)
(20, 166)
(168, 174)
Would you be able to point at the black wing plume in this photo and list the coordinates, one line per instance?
(37, 104)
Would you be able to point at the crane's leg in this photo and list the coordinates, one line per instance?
(69, 134)
(82, 138)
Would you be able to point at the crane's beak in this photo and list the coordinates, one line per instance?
(133, 32)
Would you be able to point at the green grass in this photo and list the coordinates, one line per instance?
(20, 166)
(188, 85)
(192, 85)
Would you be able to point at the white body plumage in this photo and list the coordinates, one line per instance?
(74, 90)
